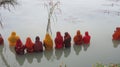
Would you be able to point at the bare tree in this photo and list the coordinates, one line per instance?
(51, 7)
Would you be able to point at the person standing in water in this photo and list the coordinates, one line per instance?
(48, 42)
(1, 40)
(67, 40)
(13, 39)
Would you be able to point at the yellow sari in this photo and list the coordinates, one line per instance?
(13, 39)
(48, 42)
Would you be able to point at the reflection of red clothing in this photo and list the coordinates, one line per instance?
(38, 45)
(19, 48)
(86, 38)
(78, 38)
(58, 41)
(29, 45)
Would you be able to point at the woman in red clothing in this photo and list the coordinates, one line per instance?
(19, 47)
(86, 38)
(29, 45)
(67, 40)
(116, 35)
(58, 41)
(1, 40)
(78, 38)
(38, 45)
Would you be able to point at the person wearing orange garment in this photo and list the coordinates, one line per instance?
(19, 47)
(78, 38)
(86, 38)
(67, 40)
(1, 40)
(29, 45)
(48, 42)
(58, 41)
(38, 45)
(13, 39)
(116, 35)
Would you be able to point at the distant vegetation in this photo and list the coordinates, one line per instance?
(106, 65)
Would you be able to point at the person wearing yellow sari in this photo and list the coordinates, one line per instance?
(13, 39)
(48, 42)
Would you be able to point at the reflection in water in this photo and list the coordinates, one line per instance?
(116, 43)
(77, 48)
(29, 57)
(38, 56)
(12, 49)
(58, 53)
(48, 54)
(20, 59)
(2, 56)
(67, 52)
(85, 46)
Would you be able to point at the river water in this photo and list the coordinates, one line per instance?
(29, 18)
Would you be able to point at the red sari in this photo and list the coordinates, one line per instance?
(86, 38)
(116, 35)
(78, 38)
(1, 40)
(38, 45)
(19, 48)
(58, 41)
(29, 45)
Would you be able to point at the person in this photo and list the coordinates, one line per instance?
(48, 42)
(29, 45)
(86, 38)
(116, 35)
(13, 39)
(1, 40)
(58, 41)
(19, 47)
(78, 38)
(67, 40)
(38, 45)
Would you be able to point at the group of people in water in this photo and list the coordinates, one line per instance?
(60, 42)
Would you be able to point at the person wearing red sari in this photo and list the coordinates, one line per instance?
(29, 45)
(78, 38)
(19, 47)
(1, 40)
(86, 38)
(116, 35)
(67, 40)
(38, 45)
(58, 41)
